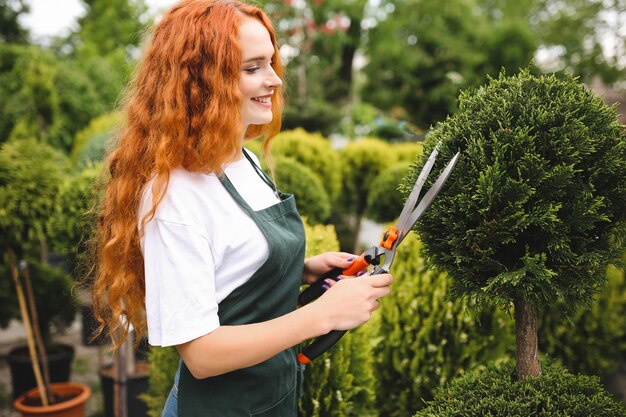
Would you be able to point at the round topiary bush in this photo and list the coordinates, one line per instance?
(536, 207)
(294, 178)
(315, 152)
(496, 392)
(361, 162)
(384, 201)
(90, 144)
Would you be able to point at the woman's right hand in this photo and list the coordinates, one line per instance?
(349, 302)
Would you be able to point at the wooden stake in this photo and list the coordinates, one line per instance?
(41, 348)
(29, 331)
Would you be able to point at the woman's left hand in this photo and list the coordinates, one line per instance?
(317, 266)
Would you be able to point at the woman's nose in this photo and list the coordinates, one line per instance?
(273, 80)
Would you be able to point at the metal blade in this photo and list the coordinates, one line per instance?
(428, 199)
(411, 201)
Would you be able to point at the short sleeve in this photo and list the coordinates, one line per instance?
(180, 283)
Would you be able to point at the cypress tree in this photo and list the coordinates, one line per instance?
(536, 207)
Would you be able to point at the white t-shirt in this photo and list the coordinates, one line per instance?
(198, 248)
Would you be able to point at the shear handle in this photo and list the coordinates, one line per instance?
(315, 290)
(325, 342)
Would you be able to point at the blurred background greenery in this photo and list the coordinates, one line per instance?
(366, 79)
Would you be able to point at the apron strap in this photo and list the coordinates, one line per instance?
(261, 173)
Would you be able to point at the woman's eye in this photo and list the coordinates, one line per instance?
(252, 70)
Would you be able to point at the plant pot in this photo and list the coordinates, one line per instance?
(89, 327)
(22, 376)
(74, 406)
(136, 384)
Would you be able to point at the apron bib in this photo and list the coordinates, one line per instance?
(269, 388)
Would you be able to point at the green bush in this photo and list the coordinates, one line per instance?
(339, 383)
(31, 174)
(43, 97)
(312, 115)
(593, 341)
(73, 221)
(90, 144)
(52, 289)
(407, 151)
(538, 198)
(314, 151)
(426, 339)
(536, 207)
(294, 178)
(385, 201)
(496, 392)
(361, 162)
(163, 365)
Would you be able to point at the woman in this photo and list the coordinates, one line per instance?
(195, 242)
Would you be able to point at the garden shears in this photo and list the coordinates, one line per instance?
(385, 251)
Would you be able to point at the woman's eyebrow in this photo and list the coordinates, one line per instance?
(257, 58)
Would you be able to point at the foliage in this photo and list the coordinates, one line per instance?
(11, 31)
(424, 53)
(426, 339)
(73, 221)
(52, 288)
(593, 341)
(31, 174)
(311, 115)
(294, 178)
(314, 151)
(408, 151)
(361, 162)
(44, 98)
(384, 201)
(496, 392)
(91, 143)
(341, 382)
(163, 365)
(322, 38)
(581, 30)
(109, 26)
(536, 205)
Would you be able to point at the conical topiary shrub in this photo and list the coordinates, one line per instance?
(536, 207)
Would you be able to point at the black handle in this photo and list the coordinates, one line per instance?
(315, 290)
(320, 345)
(325, 342)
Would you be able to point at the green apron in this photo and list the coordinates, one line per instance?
(269, 388)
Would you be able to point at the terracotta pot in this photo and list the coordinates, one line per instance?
(74, 407)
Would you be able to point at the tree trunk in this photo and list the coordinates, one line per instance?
(526, 352)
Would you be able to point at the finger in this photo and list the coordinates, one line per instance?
(344, 259)
(347, 256)
(381, 280)
(381, 292)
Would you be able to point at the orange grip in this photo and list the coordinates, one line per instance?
(303, 359)
(390, 236)
(357, 266)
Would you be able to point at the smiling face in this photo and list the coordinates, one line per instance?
(258, 80)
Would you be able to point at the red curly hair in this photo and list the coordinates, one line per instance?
(182, 110)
